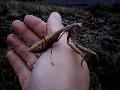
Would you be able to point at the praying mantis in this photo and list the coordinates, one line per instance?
(50, 39)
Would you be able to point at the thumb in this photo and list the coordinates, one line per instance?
(54, 22)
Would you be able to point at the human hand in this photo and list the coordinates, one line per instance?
(59, 70)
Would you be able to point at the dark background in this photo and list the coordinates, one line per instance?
(71, 2)
(102, 35)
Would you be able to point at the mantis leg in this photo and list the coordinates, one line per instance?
(80, 49)
(73, 46)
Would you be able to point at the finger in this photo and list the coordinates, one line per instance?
(36, 25)
(54, 22)
(19, 67)
(26, 33)
(22, 50)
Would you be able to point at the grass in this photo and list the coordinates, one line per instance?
(8, 79)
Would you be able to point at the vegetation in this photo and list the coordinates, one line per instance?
(105, 9)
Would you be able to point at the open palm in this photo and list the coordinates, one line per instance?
(32, 30)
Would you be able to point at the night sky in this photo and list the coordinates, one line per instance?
(80, 1)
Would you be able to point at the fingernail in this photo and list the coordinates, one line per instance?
(57, 16)
(15, 23)
(10, 36)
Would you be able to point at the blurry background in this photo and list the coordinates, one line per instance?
(102, 35)
(78, 2)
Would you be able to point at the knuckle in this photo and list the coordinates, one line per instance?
(18, 47)
(24, 31)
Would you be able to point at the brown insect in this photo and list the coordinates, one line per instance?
(49, 40)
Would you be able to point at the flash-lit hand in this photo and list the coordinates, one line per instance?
(59, 70)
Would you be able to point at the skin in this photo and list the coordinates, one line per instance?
(59, 70)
